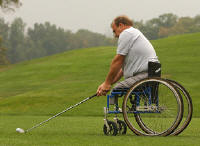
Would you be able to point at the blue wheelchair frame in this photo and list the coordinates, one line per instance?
(154, 70)
(121, 92)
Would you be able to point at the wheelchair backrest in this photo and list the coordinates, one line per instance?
(154, 69)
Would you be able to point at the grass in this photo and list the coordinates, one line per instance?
(32, 91)
(66, 130)
(53, 82)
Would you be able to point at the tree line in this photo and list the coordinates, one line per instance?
(43, 40)
(18, 43)
(167, 25)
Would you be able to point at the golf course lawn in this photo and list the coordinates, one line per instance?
(35, 90)
(70, 130)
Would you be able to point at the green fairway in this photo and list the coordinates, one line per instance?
(82, 131)
(35, 90)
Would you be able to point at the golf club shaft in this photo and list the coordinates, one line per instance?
(60, 113)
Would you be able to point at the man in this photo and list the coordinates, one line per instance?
(134, 52)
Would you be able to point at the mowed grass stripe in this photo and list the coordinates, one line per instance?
(84, 131)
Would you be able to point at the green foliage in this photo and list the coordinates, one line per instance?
(9, 4)
(16, 50)
(3, 34)
(3, 59)
(167, 25)
(167, 20)
(45, 39)
(4, 29)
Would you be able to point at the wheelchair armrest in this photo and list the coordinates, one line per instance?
(120, 90)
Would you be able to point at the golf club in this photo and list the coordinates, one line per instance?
(20, 130)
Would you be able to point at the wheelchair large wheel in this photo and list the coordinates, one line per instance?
(156, 106)
(188, 108)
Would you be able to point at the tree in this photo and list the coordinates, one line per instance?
(139, 24)
(197, 23)
(16, 48)
(183, 25)
(87, 39)
(48, 39)
(167, 20)
(4, 31)
(163, 32)
(151, 29)
(3, 59)
(9, 4)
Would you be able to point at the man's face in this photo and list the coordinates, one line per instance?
(116, 30)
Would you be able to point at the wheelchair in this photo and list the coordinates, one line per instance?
(153, 106)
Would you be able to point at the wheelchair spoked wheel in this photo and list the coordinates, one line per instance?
(156, 106)
(188, 108)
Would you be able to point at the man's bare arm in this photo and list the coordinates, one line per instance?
(118, 76)
(115, 68)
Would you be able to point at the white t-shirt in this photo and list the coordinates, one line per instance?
(138, 51)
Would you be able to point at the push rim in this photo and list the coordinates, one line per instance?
(141, 119)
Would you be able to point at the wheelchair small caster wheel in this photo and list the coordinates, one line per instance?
(122, 128)
(110, 128)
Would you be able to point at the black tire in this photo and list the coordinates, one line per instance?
(151, 122)
(122, 128)
(188, 108)
(112, 128)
